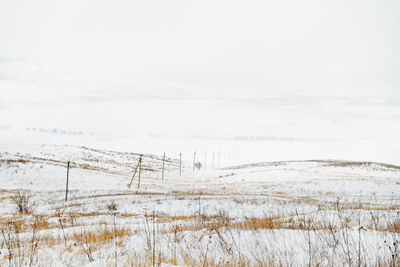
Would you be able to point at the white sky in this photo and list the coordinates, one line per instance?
(222, 40)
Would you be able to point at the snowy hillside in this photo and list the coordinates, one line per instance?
(199, 133)
(263, 207)
(253, 121)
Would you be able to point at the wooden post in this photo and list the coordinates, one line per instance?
(66, 186)
(226, 164)
(163, 166)
(140, 170)
(219, 159)
(134, 173)
(213, 160)
(194, 159)
(180, 164)
(154, 240)
(205, 159)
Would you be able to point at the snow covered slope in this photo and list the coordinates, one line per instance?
(253, 121)
(44, 168)
(264, 205)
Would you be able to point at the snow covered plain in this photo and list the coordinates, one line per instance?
(286, 210)
(291, 213)
(251, 121)
(287, 84)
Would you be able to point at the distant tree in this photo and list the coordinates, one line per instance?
(197, 166)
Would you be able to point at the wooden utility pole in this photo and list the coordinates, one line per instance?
(140, 170)
(163, 166)
(137, 167)
(154, 241)
(134, 173)
(180, 164)
(194, 159)
(66, 186)
(226, 163)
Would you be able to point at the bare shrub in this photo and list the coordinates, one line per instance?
(198, 166)
(19, 251)
(112, 207)
(23, 202)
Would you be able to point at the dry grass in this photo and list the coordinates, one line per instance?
(290, 222)
(24, 222)
(191, 193)
(188, 260)
(99, 238)
(359, 164)
(10, 161)
(196, 223)
(49, 241)
(259, 223)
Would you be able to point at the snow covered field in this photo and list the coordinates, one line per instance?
(291, 213)
(325, 190)
(288, 210)
(291, 107)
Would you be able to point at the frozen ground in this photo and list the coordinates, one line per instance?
(323, 212)
(292, 107)
(325, 190)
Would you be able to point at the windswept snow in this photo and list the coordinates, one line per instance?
(291, 192)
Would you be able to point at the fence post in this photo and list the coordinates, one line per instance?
(66, 186)
(225, 161)
(163, 166)
(180, 164)
(194, 159)
(134, 173)
(140, 169)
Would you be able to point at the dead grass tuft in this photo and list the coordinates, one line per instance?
(101, 237)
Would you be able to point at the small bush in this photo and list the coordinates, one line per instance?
(112, 206)
(23, 203)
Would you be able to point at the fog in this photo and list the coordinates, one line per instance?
(272, 41)
(263, 80)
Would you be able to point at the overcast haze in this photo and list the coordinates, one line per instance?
(284, 41)
(306, 79)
